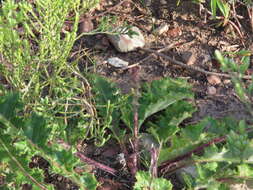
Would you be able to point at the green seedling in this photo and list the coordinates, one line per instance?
(237, 70)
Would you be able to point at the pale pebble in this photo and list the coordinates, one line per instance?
(125, 43)
(117, 62)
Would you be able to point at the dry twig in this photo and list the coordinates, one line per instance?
(149, 56)
(194, 68)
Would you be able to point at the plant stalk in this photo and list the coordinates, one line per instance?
(135, 78)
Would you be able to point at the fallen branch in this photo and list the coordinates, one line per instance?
(194, 68)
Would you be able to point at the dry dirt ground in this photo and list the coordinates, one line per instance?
(194, 38)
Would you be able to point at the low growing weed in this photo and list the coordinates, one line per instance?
(35, 46)
(219, 150)
(21, 139)
(36, 40)
(226, 13)
(147, 122)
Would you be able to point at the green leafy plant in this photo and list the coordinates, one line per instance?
(225, 12)
(223, 7)
(221, 166)
(237, 70)
(218, 150)
(154, 98)
(57, 101)
(227, 159)
(167, 147)
(23, 138)
(159, 96)
(108, 101)
(145, 182)
(35, 47)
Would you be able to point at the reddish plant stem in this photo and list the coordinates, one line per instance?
(135, 78)
(189, 154)
(95, 163)
(200, 148)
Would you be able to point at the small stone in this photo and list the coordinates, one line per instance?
(121, 159)
(154, 20)
(188, 57)
(126, 43)
(211, 90)
(161, 29)
(117, 62)
(110, 2)
(214, 80)
(114, 74)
